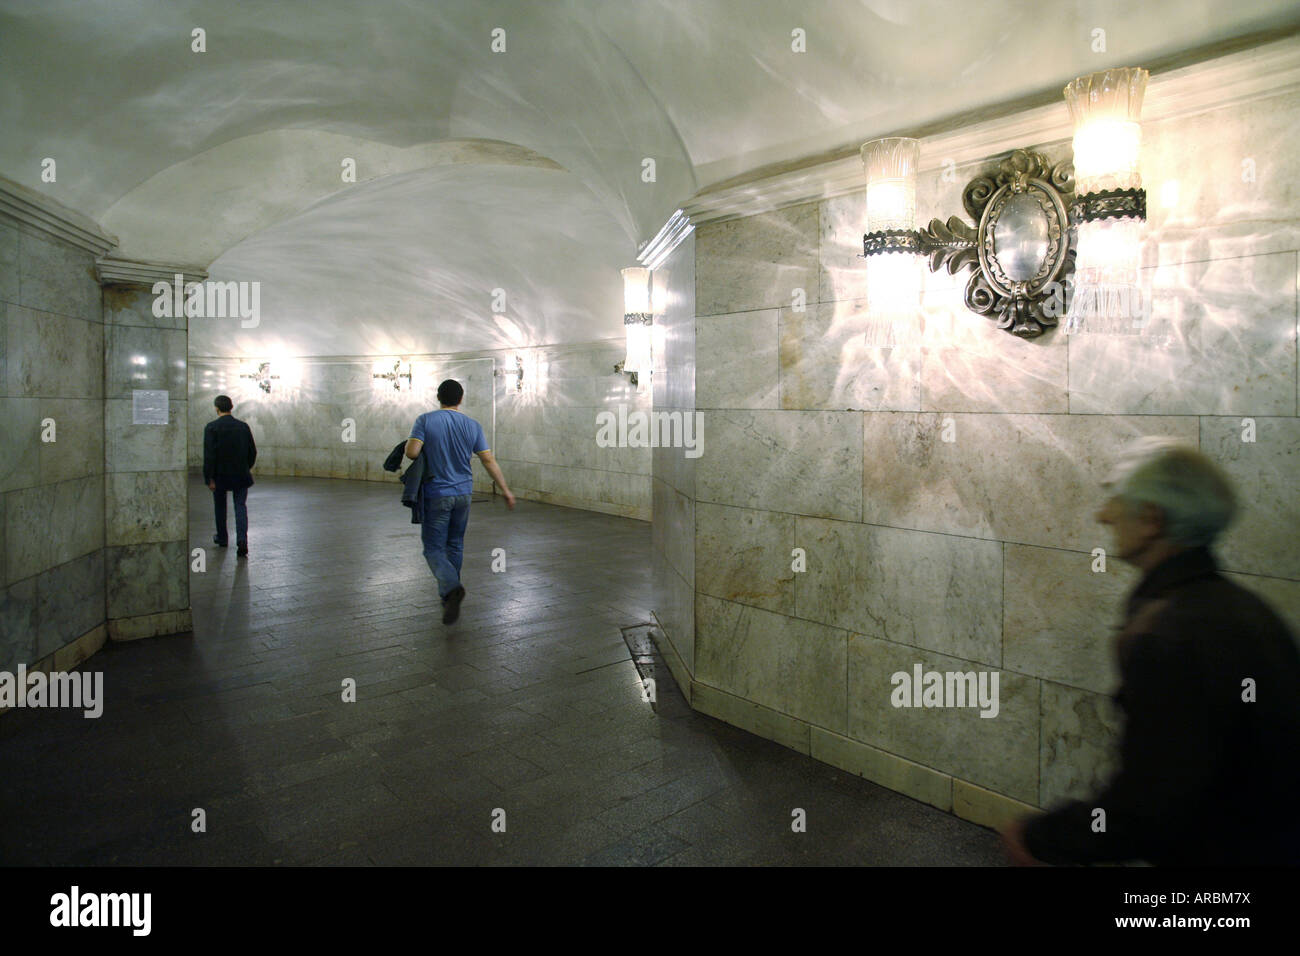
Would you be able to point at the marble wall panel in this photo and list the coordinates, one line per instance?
(1060, 616)
(1266, 475)
(628, 461)
(521, 475)
(20, 465)
(825, 365)
(49, 355)
(146, 506)
(757, 262)
(672, 465)
(78, 450)
(675, 517)
(70, 602)
(309, 461)
(1030, 479)
(76, 524)
(1000, 752)
(128, 305)
(842, 221)
(973, 366)
(1221, 340)
(795, 667)
(56, 277)
(519, 418)
(146, 358)
(9, 240)
(939, 592)
(27, 531)
(745, 556)
(147, 578)
(611, 388)
(738, 362)
(1080, 741)
(791, 461)
(1222, 183)
(674, 608)
(18, 624)
(131, 447)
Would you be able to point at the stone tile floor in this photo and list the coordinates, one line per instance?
(530, 704)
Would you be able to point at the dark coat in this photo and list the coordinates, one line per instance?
(1205, 778)
(395, 457)
(228, 453)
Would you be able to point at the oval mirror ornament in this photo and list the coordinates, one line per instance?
(1020, 238)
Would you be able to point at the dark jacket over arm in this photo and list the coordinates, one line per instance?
(1205, 777)
(413, 488)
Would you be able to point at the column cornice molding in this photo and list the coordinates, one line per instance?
(112, 270)
(49, 216)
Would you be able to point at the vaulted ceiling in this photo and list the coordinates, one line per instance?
(477, 169)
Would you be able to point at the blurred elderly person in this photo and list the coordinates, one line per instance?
(1210, 690)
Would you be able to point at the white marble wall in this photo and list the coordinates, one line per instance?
(52, 510)
(975, 553)
(543, 435)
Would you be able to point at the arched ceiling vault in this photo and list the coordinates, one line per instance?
(207, 158)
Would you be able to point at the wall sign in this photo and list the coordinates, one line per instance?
(148, 407)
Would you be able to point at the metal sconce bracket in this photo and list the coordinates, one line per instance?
(263, 377)
(1109, 204)
(631, 375)
(1020, 250)
(517, 371)
(396, 376)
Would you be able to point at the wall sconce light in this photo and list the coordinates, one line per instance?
(891, 243)
(638, 319)
(1019, 250)
(400, 370)
(262, 376)
(1110, 204)
(517, 371)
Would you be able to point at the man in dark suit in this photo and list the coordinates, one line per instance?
(228, 454)
(1210, 689)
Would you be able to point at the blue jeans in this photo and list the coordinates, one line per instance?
(240, 496)
(443, 534)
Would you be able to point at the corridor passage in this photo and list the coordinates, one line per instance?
(528, 712)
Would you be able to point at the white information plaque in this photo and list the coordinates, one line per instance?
(148, 407)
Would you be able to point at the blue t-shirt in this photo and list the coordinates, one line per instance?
(450, 441)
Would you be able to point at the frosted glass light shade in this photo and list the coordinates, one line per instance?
(640, 355)
(893, 278)
(636, 291)
(638, 318)
(1114, 250)
(1107, 109)
(890, 166)
(893, 300)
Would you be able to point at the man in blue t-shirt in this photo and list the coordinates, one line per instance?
(448, 439)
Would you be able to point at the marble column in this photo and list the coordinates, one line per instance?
(146, 531)
(673, 527)
(52, 603)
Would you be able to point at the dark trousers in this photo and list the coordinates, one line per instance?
(241, 515)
